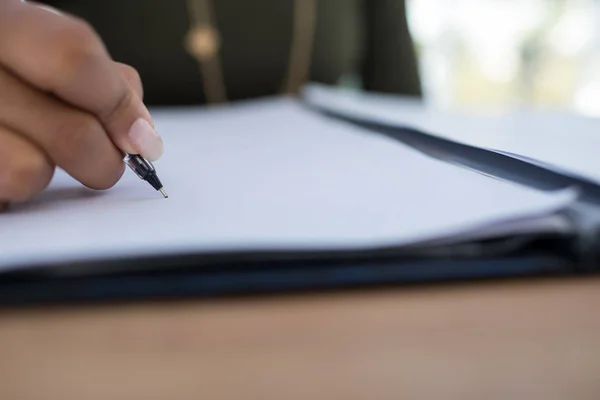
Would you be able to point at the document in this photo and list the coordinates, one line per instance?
(270, 175)
(561, 142)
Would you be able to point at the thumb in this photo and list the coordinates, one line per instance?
(130, 115)
(136, 137)
(132, 77)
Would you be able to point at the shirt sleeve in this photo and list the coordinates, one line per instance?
(390, 63)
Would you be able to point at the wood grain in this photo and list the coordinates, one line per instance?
(529, 340)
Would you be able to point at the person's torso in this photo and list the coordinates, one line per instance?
(256, 39)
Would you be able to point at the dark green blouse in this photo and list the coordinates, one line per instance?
(364, 38)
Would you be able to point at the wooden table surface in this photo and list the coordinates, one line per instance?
(510, 340)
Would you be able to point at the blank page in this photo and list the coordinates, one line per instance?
(565, 143)
(266, 175)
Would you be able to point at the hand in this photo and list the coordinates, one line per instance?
(65, 103)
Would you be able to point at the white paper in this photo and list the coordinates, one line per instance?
(266, 175)
(562, 142)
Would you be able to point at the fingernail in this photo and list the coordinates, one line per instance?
(145, 140)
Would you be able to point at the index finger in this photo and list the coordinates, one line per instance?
(63, 55)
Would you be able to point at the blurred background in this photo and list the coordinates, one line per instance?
(498, 54)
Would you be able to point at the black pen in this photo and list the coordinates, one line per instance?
(145, 170)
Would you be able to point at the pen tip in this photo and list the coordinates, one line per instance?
(165, 195)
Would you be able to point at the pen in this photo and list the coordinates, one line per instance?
(145, 170)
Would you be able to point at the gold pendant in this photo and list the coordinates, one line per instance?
(203, 42)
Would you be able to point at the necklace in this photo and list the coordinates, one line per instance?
(203, 42)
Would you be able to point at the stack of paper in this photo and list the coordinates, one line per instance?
(271, 175)
(559, 141)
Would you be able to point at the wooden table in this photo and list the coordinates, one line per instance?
(511, 340)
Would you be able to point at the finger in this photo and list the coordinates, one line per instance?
(71, 138)
(24, 169)
(64, 56)
(133, 79)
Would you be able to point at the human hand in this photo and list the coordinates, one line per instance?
(64, 102)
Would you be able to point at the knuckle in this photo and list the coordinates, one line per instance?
(77, 46)
(77, 32)
(131, 72)
(136, 81)
(134, 77)
(24, 176)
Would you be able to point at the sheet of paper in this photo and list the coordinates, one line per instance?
(266, 175)
(562, 142)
